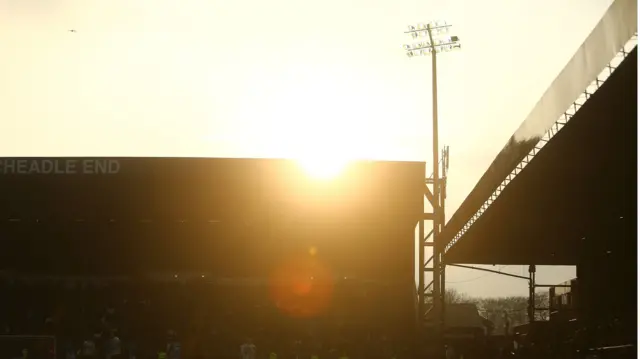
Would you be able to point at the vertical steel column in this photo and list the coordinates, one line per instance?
(438, 283)
(531, 310)
(421, 284)
(441, 223)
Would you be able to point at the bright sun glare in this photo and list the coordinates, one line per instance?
(323, 168)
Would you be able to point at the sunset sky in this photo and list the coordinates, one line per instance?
(281, 78)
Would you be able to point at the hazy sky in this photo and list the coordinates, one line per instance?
(278, 78)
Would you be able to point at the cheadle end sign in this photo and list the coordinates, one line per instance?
(35, 166)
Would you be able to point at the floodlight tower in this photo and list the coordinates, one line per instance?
(436, 41)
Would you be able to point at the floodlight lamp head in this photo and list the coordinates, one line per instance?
(440, 30)
(448, 47)
(407, 47)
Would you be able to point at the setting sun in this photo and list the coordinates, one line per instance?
(323, 167)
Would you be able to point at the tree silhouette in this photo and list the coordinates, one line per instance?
(504, 312)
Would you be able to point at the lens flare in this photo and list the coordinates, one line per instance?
(301, 287)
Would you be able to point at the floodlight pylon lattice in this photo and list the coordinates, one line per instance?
(431, 296)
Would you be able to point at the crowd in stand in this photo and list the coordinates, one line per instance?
(139, 320)
(76, 319)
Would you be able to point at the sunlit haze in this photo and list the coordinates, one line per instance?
(323, 82)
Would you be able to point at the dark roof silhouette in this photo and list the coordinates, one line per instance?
(580, 185)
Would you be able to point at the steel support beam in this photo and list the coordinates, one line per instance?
(431, 273)
(532, 294)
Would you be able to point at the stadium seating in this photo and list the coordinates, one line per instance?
(212, 318)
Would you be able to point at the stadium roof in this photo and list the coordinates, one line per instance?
(583, 179)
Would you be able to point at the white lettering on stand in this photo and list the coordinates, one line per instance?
(58, 166)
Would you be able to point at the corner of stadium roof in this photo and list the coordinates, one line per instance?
(553, 182)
